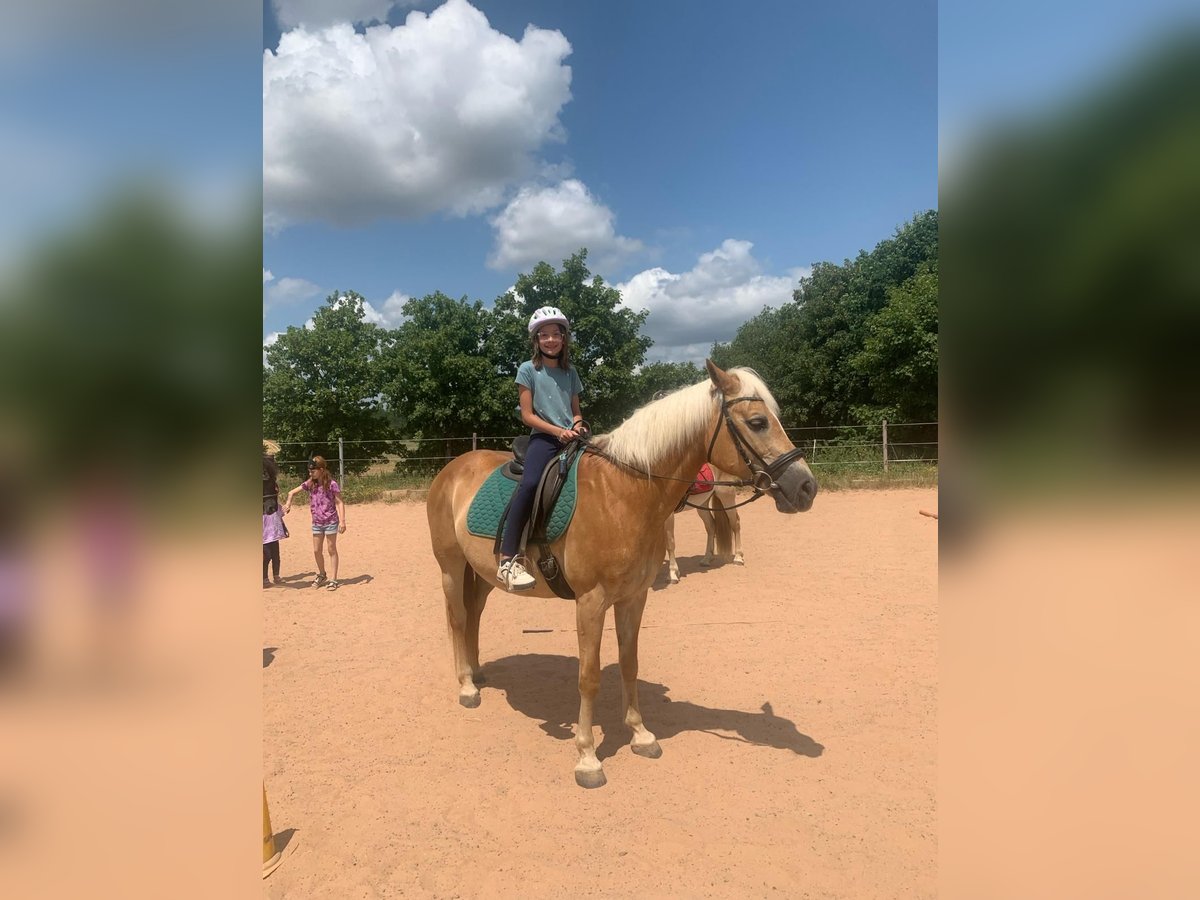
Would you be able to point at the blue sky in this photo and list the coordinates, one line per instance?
(706, 154)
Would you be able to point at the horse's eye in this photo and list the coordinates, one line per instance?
(758, 423)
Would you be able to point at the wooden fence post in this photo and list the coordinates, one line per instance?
(885, 452)
(341, 463)
(474, 440)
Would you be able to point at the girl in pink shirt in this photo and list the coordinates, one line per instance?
(328, 517)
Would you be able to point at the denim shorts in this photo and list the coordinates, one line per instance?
(325, 529)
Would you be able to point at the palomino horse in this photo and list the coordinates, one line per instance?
(629, 483)
(722, 525)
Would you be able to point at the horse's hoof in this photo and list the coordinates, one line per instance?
(470, 701)
(590, 778)
(674, 579)
(738, 561)
(650, 751)
(706, 563)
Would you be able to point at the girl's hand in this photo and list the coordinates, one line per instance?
(342, 529)
(287, 508)
(566, 435)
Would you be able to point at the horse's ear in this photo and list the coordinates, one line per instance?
(725, 382)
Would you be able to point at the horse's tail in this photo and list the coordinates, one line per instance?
(724, 543)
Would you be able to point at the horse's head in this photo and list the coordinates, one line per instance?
(749, 441)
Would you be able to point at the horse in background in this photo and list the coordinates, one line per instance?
(722, 526)
(628, 486)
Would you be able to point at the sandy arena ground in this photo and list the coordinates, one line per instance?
(795, 700)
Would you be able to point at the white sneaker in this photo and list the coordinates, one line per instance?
(514, 577)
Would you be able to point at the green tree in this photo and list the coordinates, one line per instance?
(326, 382)
(665, 376)
(899, 358)
(807, 351)
(440, 379)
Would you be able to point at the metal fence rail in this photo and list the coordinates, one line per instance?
(844, 445)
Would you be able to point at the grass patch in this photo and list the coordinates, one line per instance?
(902, 475)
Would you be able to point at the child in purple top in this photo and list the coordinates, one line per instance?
(328, 517)
(273, 528)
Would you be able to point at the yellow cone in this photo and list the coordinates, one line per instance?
(271, 856)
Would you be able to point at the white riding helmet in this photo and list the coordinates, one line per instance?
(545, 316)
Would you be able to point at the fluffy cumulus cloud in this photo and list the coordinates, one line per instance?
(442, 113)
(551, 223)
(268, 340)
(286, 291)
(393, 309)
(392, 314)
(691, 310)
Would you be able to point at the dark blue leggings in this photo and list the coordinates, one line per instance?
(541, 448)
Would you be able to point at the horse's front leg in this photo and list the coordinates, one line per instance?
(589, 625)
(629, 625)
(672, 564)
(735, 525)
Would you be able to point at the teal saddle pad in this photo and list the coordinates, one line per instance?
(483, 518)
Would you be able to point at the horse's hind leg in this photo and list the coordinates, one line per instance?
(629, 624)
(672, 564)
(456, 580)
(710, 530)
(735, 524)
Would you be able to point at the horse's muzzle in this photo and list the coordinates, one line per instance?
(796, 489)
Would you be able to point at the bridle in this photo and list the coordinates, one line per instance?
(763, 475)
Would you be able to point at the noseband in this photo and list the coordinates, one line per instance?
(764, 475)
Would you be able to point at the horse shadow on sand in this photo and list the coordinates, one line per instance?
(544, 687)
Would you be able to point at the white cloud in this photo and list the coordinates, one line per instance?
(268, 341)
(551, 223)
(319, 13)
(390, 316)
(285, 291)
(442, 113)
(393, 309)
(689, 311)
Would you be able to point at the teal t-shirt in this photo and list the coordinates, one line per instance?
(552, 391)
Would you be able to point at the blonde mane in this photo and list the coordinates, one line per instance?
(666, 427)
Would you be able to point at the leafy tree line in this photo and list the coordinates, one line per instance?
(447, 371)
(858, 343)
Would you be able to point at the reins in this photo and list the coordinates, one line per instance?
(764, 475)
